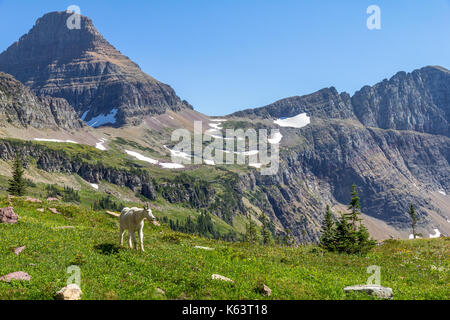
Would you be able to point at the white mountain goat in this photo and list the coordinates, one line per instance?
(132, 219)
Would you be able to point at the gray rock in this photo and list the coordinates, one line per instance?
(18, 250)
(376, 291)
(71, 292)
(7, 215)
(19, 276)
(221, 278)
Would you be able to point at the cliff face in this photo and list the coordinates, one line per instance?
(391, 139)
(20, 107)
(80, 66)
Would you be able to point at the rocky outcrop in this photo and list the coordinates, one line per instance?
(20, 107)
(418, 101)
(7, 215)
(325, 103)
(80, 66)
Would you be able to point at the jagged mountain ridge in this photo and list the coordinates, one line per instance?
(20, 107)
(418, 101)
(83, 68)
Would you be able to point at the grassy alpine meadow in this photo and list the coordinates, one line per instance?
(414, 269)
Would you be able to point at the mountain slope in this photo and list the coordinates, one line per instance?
(391, 139)
(83, 68)
(20, 107)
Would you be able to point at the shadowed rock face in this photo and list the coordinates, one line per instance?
(80, 66)
(20, 107)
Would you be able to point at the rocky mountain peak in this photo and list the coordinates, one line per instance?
(80, 66)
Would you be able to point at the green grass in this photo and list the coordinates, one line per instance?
(173, 264)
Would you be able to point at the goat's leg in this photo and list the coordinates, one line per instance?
(129, 240)
(121, 233)
(133, 236)
(141, 238)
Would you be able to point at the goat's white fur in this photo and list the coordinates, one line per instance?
(132, 219)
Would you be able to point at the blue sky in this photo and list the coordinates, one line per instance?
(226, 55)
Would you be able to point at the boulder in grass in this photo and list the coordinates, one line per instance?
(52, 199)
(19, 276)
(373, 290)
(71, 292)
(222, 278)
(18, 250)
(53, 210)
(7, 215)
(33, 200)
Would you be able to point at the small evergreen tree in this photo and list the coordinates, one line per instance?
(348, 236)
(17, 184)
(327, 239)
(265, 232)
(251, 231)
(355, 207)
(413, 216)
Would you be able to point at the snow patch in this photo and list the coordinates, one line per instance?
(215, 126)
(94, 185)
(411, 236)
(219, 120)
(209, 162)
(103, 119)
(436, 234)
(442, 192)
(276, 138)
(299, 121)
(100, 145)
(153, 161)
(55, 140)
(141, 157)
(256, 165)
(171, 165)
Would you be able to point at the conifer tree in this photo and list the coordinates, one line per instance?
(265, 232)
(328, 235)
(412, 213)
(251, 232)
(17, 184)
(355, 207)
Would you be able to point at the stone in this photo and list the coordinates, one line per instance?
(71, 292)
(222, 278)
(18, 250)
(267, 291)
(33, 200)
(160, 291)
(376, 291)
(19, 276)
(7, 215)
(53, 210)
(204, 248)
(52, 199)
(40, 209)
